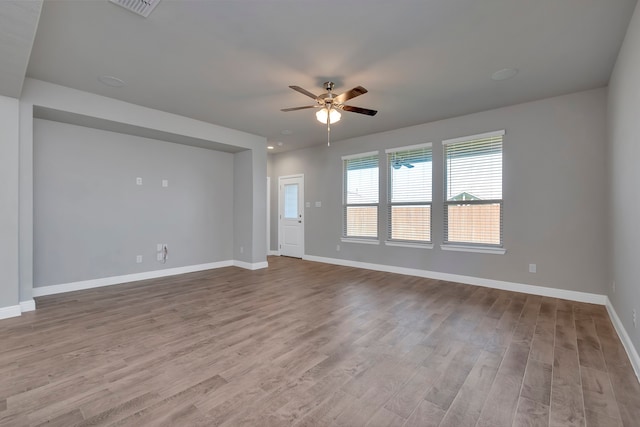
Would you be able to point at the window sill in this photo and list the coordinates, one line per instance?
(409, 244)
(477, 249)
(362, 241)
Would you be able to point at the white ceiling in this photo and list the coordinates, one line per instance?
(229, 62)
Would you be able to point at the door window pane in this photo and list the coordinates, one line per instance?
(291, 201)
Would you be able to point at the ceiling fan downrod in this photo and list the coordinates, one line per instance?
(328, 128)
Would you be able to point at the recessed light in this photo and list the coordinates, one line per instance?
(111, 81)
(280, 144)
(504, 74)
(287, 132)
(269, 147)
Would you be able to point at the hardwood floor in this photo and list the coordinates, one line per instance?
(310, 344)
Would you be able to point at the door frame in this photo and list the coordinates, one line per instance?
(268, 216)
(304, 219)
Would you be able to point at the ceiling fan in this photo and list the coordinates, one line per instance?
(398, 162)
(330, 104)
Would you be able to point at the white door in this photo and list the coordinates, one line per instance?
(291, 216)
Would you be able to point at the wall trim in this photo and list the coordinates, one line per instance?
(634, 358)
(273, 253)
(251, 266)
(469, 280)
(29, 305)
(10, 311)
(116, 280)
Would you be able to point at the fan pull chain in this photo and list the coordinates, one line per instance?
(328, 132)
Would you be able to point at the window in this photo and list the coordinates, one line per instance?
(409, 194)
(473, 190)
(291, 201)
(360, 198)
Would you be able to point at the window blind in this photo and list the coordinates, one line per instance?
(410, 194)
(473, 190)
(361, 196)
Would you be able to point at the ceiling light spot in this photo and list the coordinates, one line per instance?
(269, 147)
(280, 144)
(504, 74)
(111, 81)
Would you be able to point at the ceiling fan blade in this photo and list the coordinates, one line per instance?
(299, 108)
(350, 94)
(303, 91)
(358, 110)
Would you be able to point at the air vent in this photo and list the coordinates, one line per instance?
(140, 7)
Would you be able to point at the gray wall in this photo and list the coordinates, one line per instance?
(259, 208)
(250, 206)
(624, 154)
(242, 205)
(273, 201)
(91, 219)
(25, 262)
(554, 182)
(9, 125)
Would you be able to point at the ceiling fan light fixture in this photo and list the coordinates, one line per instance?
(334, 115)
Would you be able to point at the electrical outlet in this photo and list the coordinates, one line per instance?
(138, 259)
(338, 248)
(138, 181)
(613, 286)
(635, 319)
(532, 268)
(241, 249)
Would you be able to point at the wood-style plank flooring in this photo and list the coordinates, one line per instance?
(311, 344)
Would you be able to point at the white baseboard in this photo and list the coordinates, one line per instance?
(624, 337)
(116, 280)
(469, 280)
(274, 253)
(10, 311)
(29, 305)
(251, 266)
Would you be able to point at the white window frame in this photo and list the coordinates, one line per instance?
(345, 206)
(469, 246)
(426, 244)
